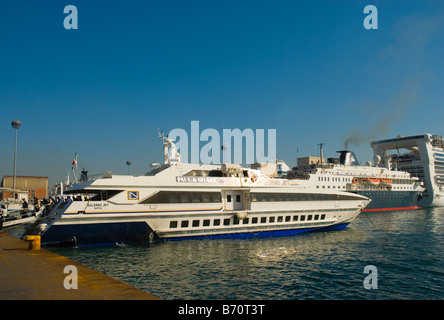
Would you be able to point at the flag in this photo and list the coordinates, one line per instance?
(75, 161)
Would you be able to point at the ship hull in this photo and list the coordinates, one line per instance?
(390, 200)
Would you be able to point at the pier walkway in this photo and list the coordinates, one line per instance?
(39, 275)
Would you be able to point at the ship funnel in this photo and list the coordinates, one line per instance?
(348, 158)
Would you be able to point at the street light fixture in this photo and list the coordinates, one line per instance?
(16, 124)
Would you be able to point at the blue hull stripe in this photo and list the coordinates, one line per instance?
(98, 234)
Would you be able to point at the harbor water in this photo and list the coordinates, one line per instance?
(404, 248)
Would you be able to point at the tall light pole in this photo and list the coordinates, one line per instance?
(16, 124)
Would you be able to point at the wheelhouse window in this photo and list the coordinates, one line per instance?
(183, 197)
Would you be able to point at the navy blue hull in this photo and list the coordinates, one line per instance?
(390, 200)
(101, 234)
(97, 234)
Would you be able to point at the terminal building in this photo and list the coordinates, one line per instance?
(36, 186)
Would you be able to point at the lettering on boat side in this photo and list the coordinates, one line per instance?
(199, 179)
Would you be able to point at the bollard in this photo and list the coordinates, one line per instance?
(34, 242)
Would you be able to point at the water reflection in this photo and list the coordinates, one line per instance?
(405, 246)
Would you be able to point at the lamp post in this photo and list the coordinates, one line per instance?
(16, 124)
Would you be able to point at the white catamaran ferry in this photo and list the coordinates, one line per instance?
(179, 200)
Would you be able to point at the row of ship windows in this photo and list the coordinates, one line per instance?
(335, 179)
(254, 220)
(211, 197)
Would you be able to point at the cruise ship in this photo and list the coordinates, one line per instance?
(191, 201)
(389, 190)
(422, 156)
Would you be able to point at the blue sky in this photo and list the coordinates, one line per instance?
(308, 69)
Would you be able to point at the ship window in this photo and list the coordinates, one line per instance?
(280, 219)
(184, 198)
(238, 198)
(246, 221)
(310, 217)
(229, 198)
(279, 197)
(295, 218)
(226, 222)
(287, 218)
(302, 197)
(254, 220)
(173, 224)
(195, 197)
(316, 217)
(235, 220)
(271, 220)
(196, 223)
(253, 197)
(173, 198)
(264, 220)
(322, 216)
(216, 197)
(302, 218)
(206, 223)
(184, 224)
(295, 197)
(216, 222)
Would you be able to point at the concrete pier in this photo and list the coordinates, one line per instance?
(39, 275)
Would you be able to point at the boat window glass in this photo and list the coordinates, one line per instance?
(216, 197)
(295, 218)
(253, 197)
(216, 222)
(238, 198)
(229, 198)
(271, 220)
(226, 222)
(184, 197)
(196, 223)
(174, 198)
(206, 197)
(195, 197)
(184, 224)
(264, 220)
(206, 223)
(173, 224)
(254, 220)
(246, 221)
(302, 218)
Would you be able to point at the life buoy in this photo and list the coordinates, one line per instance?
(254, 178)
